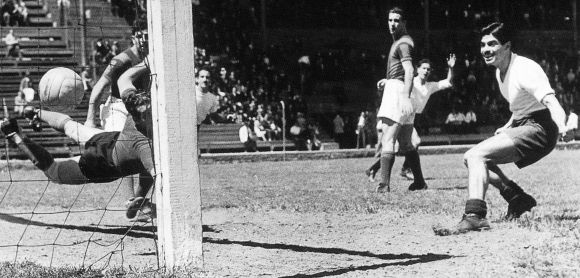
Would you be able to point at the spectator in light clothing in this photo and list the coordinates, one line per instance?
(454, 121)
(207, 101)
(470, 120)
(247, 137)
(12, 45)
(360, 134)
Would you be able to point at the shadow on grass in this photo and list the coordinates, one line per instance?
(449, 188)
(410, 258)
(416, 259)
(136, 231)
(131, 231)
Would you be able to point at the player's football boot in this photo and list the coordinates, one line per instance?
(407, 173)
(417, 186)
(519, 205)
(518, 201)
(31, 114)
(134, 205)
(382, 188)
(371, 174)
(9, 127)
(472, 222)
(147, 213)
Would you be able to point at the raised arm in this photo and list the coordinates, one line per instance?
(127, 79)
(95, 99)
(451, 63)
(137, 102)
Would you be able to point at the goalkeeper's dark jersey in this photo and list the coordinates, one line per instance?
(112, 155)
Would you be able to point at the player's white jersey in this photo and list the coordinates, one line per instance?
(422, 92)
(524, 86)
(207, 103)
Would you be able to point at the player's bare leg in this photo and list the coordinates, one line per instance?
(389, 138)
(498, 149)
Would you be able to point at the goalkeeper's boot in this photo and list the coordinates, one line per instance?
(147, 213)
(31, 114)
(134, 205)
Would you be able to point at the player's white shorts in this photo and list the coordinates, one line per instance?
(390, 104)
(113, 114)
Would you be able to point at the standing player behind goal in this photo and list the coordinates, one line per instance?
(107, 156)
(138, 101)
(114, 113)
(206, 101)
(422, 91)
(530, 134)
(396, 110)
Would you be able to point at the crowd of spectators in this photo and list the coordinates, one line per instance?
(103, 52)
(14, 13)
(130, 10)
(253, 80)
(444, 14)
(12, 45)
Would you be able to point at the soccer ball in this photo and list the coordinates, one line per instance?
(61, 90)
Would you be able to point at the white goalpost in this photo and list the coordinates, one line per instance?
(177, 188)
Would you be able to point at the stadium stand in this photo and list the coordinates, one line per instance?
(262, 77)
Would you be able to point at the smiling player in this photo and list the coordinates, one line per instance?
(530, 134)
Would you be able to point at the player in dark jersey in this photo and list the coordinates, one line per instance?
(118, 65)
(396, 112)
(107, 156)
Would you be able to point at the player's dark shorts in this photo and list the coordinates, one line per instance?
(96, 162)
(534, 136)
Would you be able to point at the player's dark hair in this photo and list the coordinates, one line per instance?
(202, 68)
(424, 61)
(138, 25)
(501, 31)
(399, 11)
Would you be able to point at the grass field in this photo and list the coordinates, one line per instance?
(314, 218)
